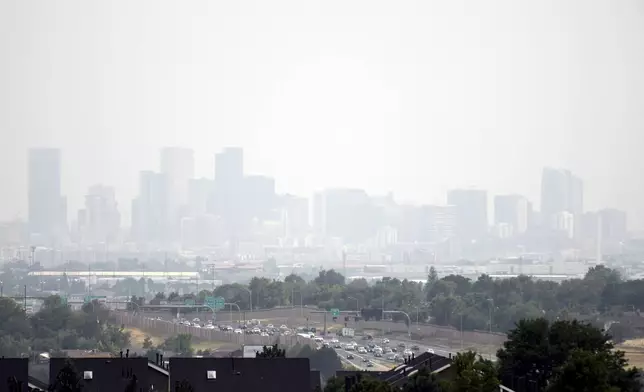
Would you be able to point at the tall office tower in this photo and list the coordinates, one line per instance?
(200, 193)
(178, 166)
(349, 214)
(437, 223)
(258, 197)
(102, 219)
(563, 222)
(229, 188)
(46, 205)
(512, 210)
(561, 191)
(471, 213)
(149, 209)
(295, 213)
(613, 224)
(229, 166)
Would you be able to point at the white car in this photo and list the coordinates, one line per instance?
(431, 351)
(385, 341)
(256, 331)
(210, 326)
(263, 334)
(407, 353)
(238, 331)
(283, 326)
(270, 326)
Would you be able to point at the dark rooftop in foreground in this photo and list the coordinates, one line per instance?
(242, 374)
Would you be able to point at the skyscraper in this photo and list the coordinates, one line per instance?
(513, 210)
(149, 209)
(561, 191)
(46, 204)
(102, 218)
(471, 213)
(229, 166)
(178, 165)
(229, 187)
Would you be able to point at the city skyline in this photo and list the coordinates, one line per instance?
(397, 100)
(178, 162)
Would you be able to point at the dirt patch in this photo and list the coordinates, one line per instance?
(137, 336)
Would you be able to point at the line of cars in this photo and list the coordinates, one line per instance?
(250, 327)
(382, 350)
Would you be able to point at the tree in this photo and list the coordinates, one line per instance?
(180, 344)
(67, 380)
(271, 352)
(474, 374)
(147, 343)
(423, 381)
(587, 371)
(540, 352)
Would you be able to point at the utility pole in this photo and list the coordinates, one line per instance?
(25, 298)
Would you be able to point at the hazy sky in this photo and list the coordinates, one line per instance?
(410, 96)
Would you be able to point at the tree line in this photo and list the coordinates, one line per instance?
(56, 327)
(454, 300)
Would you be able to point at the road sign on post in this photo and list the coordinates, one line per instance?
(335, 312)
(215, 303)
(63, 301)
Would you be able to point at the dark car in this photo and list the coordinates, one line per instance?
(415, 348)
(350, 356)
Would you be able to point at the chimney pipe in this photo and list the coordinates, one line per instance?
(127, 353)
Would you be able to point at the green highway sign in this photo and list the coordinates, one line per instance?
(216, 303)
(335, 312)
(189, 302)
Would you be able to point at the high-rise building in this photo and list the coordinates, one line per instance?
(613, 224)
(471, 213)
(229, 166)
(46, 204)
(563, 222)
(178, 167)
(258, 196)
(561, 191)
(229, 200)
(438, 223)
(200, 193)
(513, 210)
(102, 220)
(149, 209)
(347, 214)
(296, 216)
